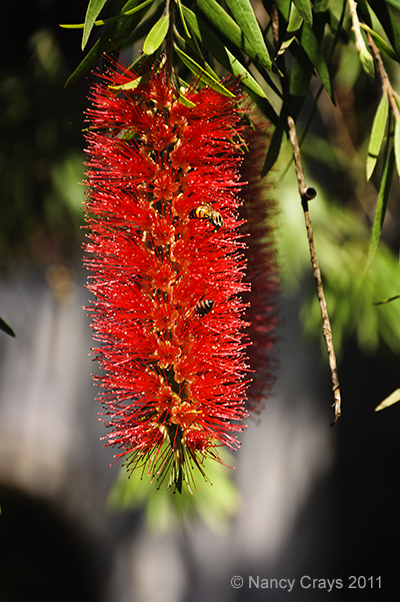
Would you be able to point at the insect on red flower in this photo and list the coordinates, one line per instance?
(167, 307)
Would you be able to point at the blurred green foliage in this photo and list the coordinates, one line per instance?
(40, 156)
(214, 502)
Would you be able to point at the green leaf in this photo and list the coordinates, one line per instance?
(389, 22)
(284, 8)
(244, 16)
(231, 30)
(93, 10)
(381, 207)
(156, 35)
(220, 52)
(312, 49)
(6, 328)
(295, 20)
(101, 22)
(185, 27)
(380, 42)
(185, 101)
(389, 401)
(115, 34)
(377, 134)
(203, 73)
(305, 9)
(129, 86)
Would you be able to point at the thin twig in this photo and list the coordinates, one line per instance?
(384, 78)
(306, 194)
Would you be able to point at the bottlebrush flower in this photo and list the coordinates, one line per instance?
(167, 265)
(258, 211)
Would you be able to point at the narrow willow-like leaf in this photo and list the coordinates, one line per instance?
(101, 22)
(185, 101)
(6, 328)
(93, 10)
(381, 206)
(396, 145)
(185, 27)
(295, 20)
(129, 86)
(285, 45)
(114, 36)
(380, 42)
(203, 74)
(389, 401)
(220, 52)
(284, 8)
(312, 49)
(244, 16)
(231, 30)
(377, 134)
(156, 35)
(389, 22)
(305, 9)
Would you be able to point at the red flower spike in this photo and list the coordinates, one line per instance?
(167, 265)
(258, 211)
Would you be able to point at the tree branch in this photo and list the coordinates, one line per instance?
(306, 194)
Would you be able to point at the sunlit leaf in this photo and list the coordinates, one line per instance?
(285, 45)
(115, 34)
(185, 27)
(156, 35)
(381, 206)
(101, 22)
(202, 73)
(93, 9)
(220, 52)
(295, 20)
(389, 22)
(377, 134)
(128, 86)
(6, 328)
(389, 401)
(185, 101)
(231, 30)
(305, 9)
(380, 42)
(244, 16)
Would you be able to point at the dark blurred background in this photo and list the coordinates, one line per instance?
(310, 500)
